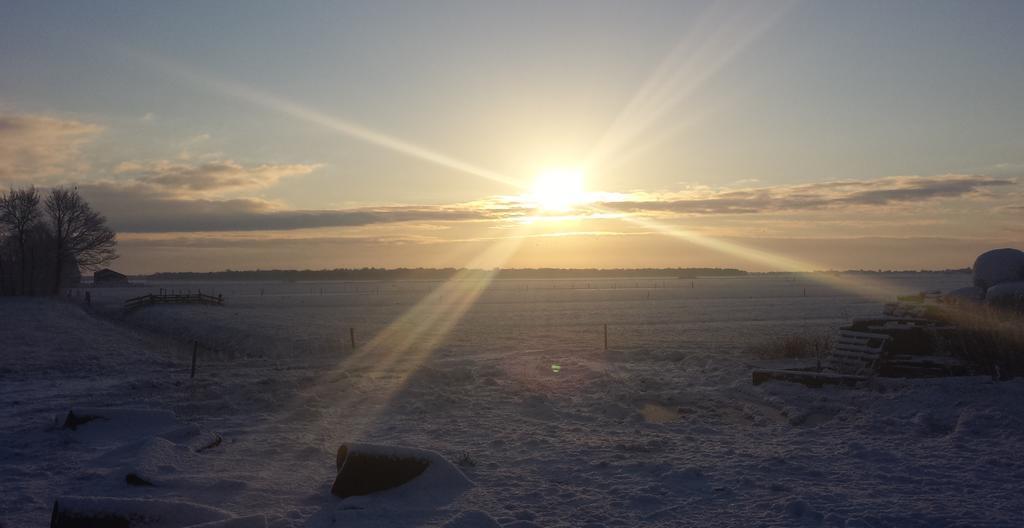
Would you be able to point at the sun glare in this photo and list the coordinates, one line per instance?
(558, 189)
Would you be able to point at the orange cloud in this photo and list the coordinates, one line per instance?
(39, 149)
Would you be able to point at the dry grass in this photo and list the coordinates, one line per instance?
(465, 460)
(793, 347)
(992, 339)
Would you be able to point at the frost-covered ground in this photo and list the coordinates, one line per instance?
(664, 429)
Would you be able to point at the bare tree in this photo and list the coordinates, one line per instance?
(4, 241)
(80, 235)
(19, 213)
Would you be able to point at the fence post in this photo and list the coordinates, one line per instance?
(195, 349)
(606, 336)
(352, 337)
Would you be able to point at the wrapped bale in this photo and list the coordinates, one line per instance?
(998, 266)
(1006, 295)
(968, 295)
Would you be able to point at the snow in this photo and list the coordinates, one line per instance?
(663, 429)
(998, 266)
(143, 513)
(107, 427)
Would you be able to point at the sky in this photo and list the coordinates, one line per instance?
(757, 135)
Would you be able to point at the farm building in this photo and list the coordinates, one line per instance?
(108, 276)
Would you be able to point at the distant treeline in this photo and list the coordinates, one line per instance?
(341, 274)
(876, 272)
(442, 274)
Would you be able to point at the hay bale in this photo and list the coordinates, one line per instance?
(415, 474)
(998, 266)
(363, 470)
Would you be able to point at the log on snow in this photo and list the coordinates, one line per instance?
(363, 470)
(805, 377)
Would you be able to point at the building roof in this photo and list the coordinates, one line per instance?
(108, 274)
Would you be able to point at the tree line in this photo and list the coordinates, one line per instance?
(46, 240)
(444, 274)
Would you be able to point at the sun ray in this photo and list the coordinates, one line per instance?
(424, 326)
(399, 350)
(720, 34)
(855, 285)
(345, 127)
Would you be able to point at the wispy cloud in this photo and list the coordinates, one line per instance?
(900, 190)
(38, 148)
(138, 208)
(210, 177)
(163, 201)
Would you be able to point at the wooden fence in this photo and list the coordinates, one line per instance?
(181, 298)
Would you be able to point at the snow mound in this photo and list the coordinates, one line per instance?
(472, 519)
(998, 266)
(140, 513)
(117, 425)
(252, 521)
(1007, 294)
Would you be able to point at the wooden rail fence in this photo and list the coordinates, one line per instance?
(181, 298)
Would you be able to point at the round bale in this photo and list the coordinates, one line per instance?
(998, 266)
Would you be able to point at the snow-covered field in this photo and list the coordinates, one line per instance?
(510, 382)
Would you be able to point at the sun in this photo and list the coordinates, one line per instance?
(558, 189)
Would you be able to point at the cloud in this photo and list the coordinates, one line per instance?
(209, 177)
(37, 149)
(816, 196)
(137, 208)
(145, 205)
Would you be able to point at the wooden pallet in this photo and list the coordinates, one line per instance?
(855, 357)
